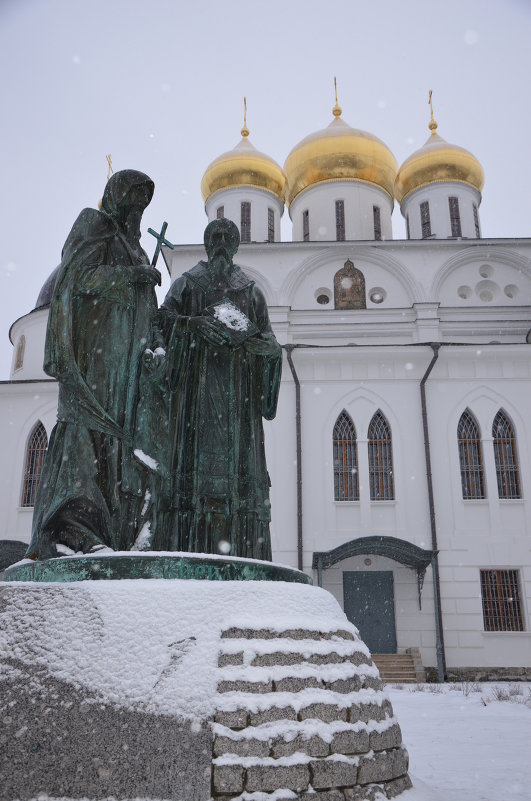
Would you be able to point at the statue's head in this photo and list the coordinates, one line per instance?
(221, 238)
(126, 195)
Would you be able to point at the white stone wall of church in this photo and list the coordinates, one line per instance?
(22, 406)
(437, 195)
(291, 275)
(359, 198)
(33, 327)
(480, 534)
(260, 200)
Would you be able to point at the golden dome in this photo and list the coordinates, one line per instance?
(339, 153)
(243, 166)
(438, 161)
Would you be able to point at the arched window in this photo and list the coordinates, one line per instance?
(380, 459)
(37, 445)
(21, 347)
(346, 484)
(470, 458)
(349, 288)
(505, 457)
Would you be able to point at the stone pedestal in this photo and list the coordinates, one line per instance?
(190, 689)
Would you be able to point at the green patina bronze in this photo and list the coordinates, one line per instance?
(151, 566)
(224, 375)
(101, 346)
(159, 444)
(161, 240)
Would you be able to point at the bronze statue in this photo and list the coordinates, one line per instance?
(101, 333)
(224, 373)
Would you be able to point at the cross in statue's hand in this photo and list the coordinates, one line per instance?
(161, 240)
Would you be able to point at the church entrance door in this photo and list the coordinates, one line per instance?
(369, 603)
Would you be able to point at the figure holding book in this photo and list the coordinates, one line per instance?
(225, 366)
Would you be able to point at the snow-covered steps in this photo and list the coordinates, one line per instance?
(300, 713)
(400, 668)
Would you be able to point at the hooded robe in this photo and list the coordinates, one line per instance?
(101, 321)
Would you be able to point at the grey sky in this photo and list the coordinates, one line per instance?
(160, 85)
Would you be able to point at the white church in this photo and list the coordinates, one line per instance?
(400, 454)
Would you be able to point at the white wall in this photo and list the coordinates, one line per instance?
(437, 195)
(359, 198)
(260, 200)
(33, 327)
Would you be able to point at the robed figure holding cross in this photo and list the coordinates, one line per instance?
(225, 367)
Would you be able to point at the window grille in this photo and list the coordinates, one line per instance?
(380, 459)
(36, 451)
(220, 212)
(470, 458)
(306, 225)
(270, 225)
(476, 220)
(455, 216)
(340, 220)
(21, 347)
(346, 484)
(505, 457)
(408, 232)
(245, 222)
(377, 222)
(500, 597)
(425, 221)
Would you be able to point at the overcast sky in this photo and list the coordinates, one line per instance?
(160, 86)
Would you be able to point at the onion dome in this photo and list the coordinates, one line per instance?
(339, 153)
(243, 166)
(437, 161)
(46, 293)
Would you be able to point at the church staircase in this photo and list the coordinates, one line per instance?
(404, 668)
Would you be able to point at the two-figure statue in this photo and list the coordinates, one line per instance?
(159, 442)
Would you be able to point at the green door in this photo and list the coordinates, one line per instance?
(369, 603)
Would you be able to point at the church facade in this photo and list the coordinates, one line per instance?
(399, 457)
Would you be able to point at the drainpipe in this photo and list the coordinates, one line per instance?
(289, 350)
(439, 634)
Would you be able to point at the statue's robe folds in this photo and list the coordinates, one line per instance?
(92, 490)
(220, 484)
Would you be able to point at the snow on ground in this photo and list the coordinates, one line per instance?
(154, 645)
(466, 747)
(462, 747)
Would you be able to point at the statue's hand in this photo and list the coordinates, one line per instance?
(207, 329)
(261, 346)
(146, 274)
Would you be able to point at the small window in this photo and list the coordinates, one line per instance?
(425, 221)
(245, 232)
(476, 220)
(270, 225)
(340, 220)
(377, 222)
(505, 457)
(500, 597)
(455, 216)
(35, 453)
(380, 459)
(306, 225)
(408, 232)
(346, 485)
(349, 288)
(470, 458)
(220, 212)
(21, 347)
